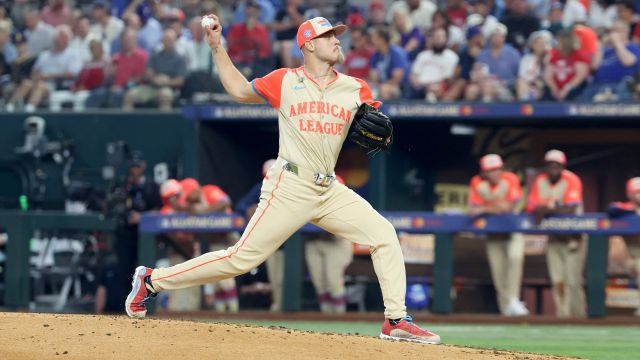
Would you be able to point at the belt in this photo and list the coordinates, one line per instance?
(319, 179)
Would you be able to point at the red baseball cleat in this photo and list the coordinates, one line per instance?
(406, 330)
(139, 295)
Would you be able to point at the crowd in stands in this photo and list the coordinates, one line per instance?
(154, 53)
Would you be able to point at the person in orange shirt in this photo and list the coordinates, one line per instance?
(558, 191)
(170, 192)
(632, 241)
(495, 191)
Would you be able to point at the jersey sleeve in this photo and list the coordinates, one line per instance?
(474, 198)
(515, 190)
(269, 87)
(573, 195)
(365, 94)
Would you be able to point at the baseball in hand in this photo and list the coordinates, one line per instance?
(208, 22)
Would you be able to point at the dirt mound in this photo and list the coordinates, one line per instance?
(53, 336)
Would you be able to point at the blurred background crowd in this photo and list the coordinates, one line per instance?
(152, 53)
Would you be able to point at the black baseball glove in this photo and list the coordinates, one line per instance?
(372, 130)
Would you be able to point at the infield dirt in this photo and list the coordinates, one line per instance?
(57, 336)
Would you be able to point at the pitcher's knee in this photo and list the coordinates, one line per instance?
(384, 234)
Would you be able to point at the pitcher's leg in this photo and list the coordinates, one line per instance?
(276, 219)
(350, 217)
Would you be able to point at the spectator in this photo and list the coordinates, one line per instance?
(247, 206)
(39, 34)
(559, 191)
(615, 64)
(54, 70)
(266, 13)
(411, 38)
(81, 39)
(434, 68)
(520, 23)
(420, 12)
(626, 11)
(554, 22)
(481, 16)
(573, 12)
(357, 61)
(92, 76)
(249, 44)
(602, 14)
(20, 67)
(165, 74)
(495, 191)
(170, 193)
(174, 21)
(56, 13)
(7, 49)
(589, 43)
(456, 12)
(530, 84)
(105, 27)
(632, 206)
(468, 55)
(150, 33)
(377, 15)
(285, 27)
(566, 68)
(454, 33)
(497, 69)
(128, 70)
(390, 66)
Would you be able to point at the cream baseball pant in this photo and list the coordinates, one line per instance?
(565, 261)
(287, 202)
(505, 253)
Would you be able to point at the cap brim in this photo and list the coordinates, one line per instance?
(339, 29)
(494, 167)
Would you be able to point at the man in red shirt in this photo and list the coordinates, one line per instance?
(357, 63)
(559, 191)
(566, 68)
(249, 44)
(495, 191)
(128, 67)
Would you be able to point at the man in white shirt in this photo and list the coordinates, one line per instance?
(106, 27)
(432, 68)
(420, 12)
(38, 33)
(81, 39)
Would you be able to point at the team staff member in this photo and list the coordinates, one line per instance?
(632, 206)
(495, 191)
(316, 106)
(559, 191)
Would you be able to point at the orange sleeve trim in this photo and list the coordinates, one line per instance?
(269, 86)
(365, 94)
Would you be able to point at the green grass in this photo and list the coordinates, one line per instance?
(589, 342)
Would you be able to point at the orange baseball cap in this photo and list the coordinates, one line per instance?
(170, 188)
(491, 162)
(315, 27)
(633, 185)
(555, 156)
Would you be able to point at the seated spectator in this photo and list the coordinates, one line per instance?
(389, 66)
(266, 13)
(602, 14)
(54, 70)
(56, 13)
(39, 34)
(150, 32)
(285, 27)
(20, 68)
(357, 62)
(468, 55)
(616, 63)
(174, 21)
(497, 75)
(8, 54)
(81, 39)
(434, 68)
(92, 76)
(454, 33)
(566, 68)
(626, 11)
(105, 26)
(249, 44)
(530, 84)
(411, 38)
(128, 69)
(164, 75)
(589, 43)
(456, 13)
(377, 15)
(573, 12)
(420, 12)
(481, 16)
(520, 23)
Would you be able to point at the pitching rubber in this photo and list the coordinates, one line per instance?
(392, 338)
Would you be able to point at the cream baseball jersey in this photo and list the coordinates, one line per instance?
(313, 122)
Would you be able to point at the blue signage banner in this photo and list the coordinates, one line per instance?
(419, 222)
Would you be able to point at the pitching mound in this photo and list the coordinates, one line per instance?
(52, 336)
